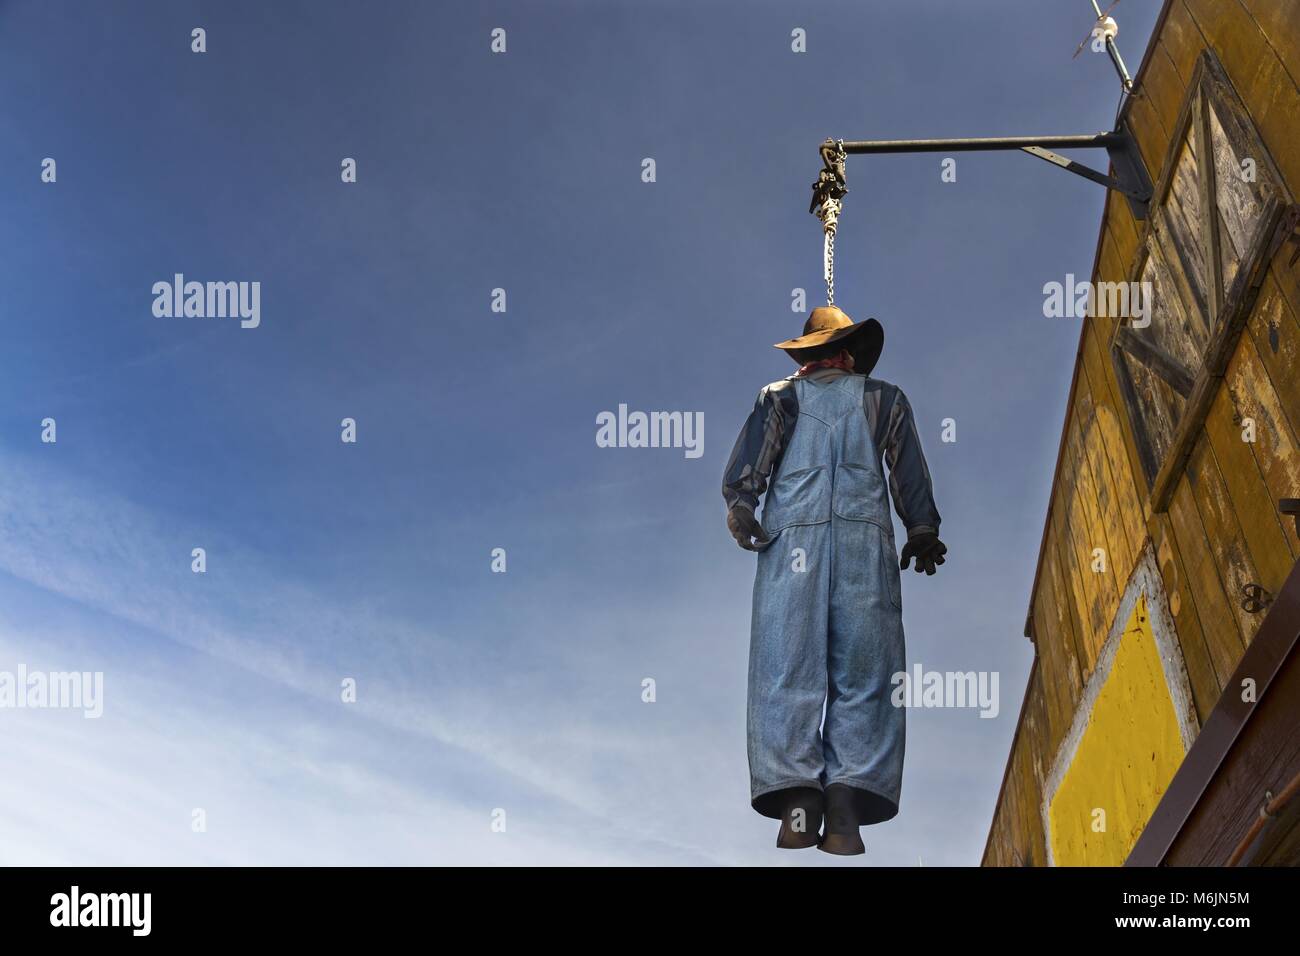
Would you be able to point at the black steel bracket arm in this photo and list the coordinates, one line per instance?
(1130, 176)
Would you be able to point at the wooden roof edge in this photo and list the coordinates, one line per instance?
(1060, 445)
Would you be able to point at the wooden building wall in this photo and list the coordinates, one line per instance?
(1219, 529)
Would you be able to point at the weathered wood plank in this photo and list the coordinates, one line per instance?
(1081, 542)
(1098, 338)
(1110, 420)
(1181, 246)
(1110, 268)
(1223, 527)
(1161, 408)
(1232, 33)
(1268, 391)
(1229, 259)
(1053, 649)
(1121, 237)
(1181, 39)
(1286, 274)
(1178, 230)
(1261, 531)
(1173, 332)
(1119, 554)
(1051, 660)
(1239, 201)
(1089, 528)
(1163, 85)
(1061, 621)
(1015, 804)
(1135, 409)
(1276, 20)
(1187, 622)
(999, 832)
(1223, 638)
(1062, 605)
(1054, 628)
(1129, 400)
(1034, 843)
(1218, 261)
(1275, 327)
(1076, 604)
(1017, 820)
(1150, 133)
(1150, 354)
(1275, 108)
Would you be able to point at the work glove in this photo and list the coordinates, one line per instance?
(743, 525)
(927, 549)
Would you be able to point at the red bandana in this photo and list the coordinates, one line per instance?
(843, 360)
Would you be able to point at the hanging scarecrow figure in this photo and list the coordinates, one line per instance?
(827, 627)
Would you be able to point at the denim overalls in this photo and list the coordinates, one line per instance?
(827, 621)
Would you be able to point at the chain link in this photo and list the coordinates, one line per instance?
(828, 266)
(830, 214)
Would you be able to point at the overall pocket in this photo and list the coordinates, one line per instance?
(799, 497)
(859, 493)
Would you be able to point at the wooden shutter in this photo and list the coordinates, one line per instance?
(1207, 243)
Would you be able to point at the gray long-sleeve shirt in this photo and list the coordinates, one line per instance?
(889, 416)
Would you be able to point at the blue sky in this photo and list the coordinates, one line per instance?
(476, 430)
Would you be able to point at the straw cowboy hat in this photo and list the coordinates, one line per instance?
(829, 324)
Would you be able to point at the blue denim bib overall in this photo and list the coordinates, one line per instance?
(827, 623)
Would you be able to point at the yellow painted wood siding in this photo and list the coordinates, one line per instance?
(1221, 528)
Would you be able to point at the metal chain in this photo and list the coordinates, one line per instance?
(829, 256)
(830, 220)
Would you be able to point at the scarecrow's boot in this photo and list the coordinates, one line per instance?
(842, 837)
(801, 820)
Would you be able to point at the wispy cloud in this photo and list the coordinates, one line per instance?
(122, 561)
